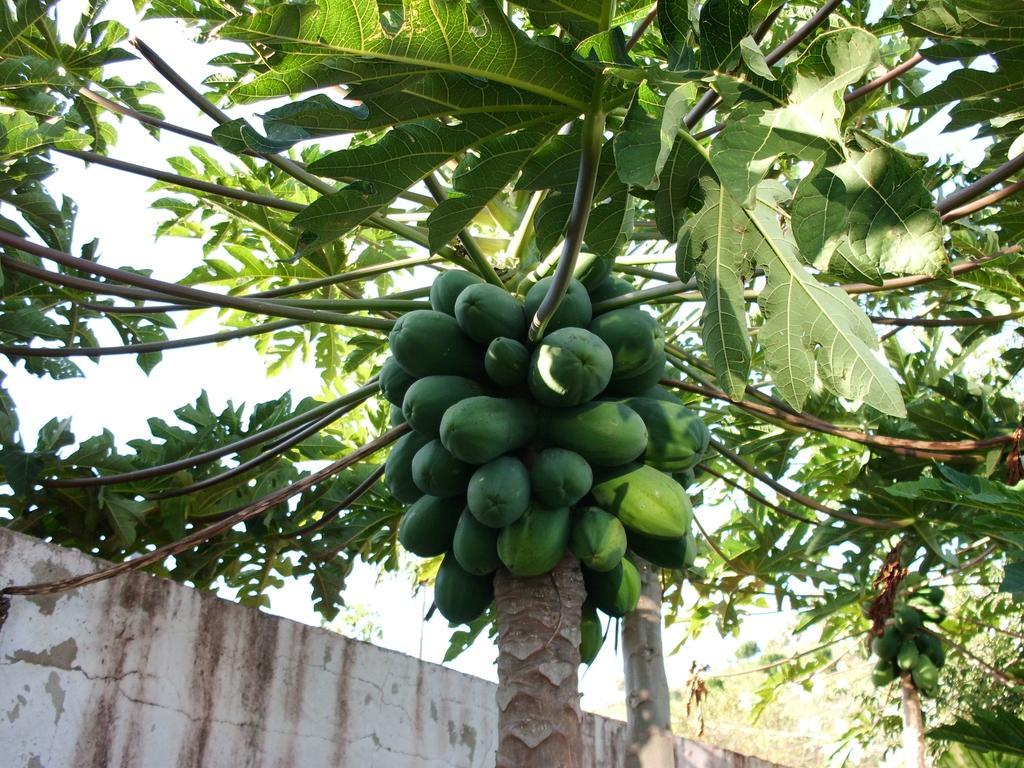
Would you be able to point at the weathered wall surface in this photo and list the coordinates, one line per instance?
(138, 672)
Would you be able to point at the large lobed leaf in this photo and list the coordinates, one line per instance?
(810, 329)
(346, 41)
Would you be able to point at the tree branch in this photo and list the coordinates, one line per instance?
(262, 505)
(878, 82)
(927, 449)
(270, 453)
(755, 495)
(263, 436)
(642, 27)
(983, 202)
(14, 351)
(983, 184)
(942, 322)
(798, 497)
(348, 501)
(257, 306)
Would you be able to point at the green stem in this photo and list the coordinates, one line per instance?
(586, 183)
(483, 266)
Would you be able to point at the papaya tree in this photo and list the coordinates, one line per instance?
(460, 214)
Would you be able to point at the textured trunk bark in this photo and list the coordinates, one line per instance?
(649, 722)
(914, 753)
(538, 663)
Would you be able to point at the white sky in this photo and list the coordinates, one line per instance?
(115, 394)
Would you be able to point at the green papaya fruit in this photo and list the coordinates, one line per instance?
(395, 417)
(499, 492)
(931, 646)
(475, 546)
(664, 553)
(485, 312)
(925, 673)
(447, 286)
(907, 656)
(642, 380)
(614, 592)
(883, 673)
(591, 634)
(394, 381)
(931, 612)
(907, 619)
(933, 595)
(606, 434)
(534, 543)
(592, 270)
(574, 311)
(507, 362)
(887, 645)
(570, 366)
(676, 436)
(598, 539)
(398, 467)
(428, 526)
(658, 392)
(461, 596)
(634, 339)
(428, 398)
(428, 343)
(645, 500)
(437, 473)
(691, 548)
(480, 429)
(560, 478)
(610, 288)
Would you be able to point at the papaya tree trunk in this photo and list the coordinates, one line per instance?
(538, 662)
(914, 753)
(648, 719)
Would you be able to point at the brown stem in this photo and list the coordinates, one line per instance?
(258, 507)
(943, 322)
(142, 117)
(649, 742)
(930, 449)
(983, 202)
(641, 28)
(185, 181)
(798, 497)
(357, 493)
(538, 622)
(983, 184)
(755, 495)
(878, 82)
(215, 453)
(193, 294)
(150, 346)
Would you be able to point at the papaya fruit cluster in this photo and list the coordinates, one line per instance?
(906, 646)
(521, 451)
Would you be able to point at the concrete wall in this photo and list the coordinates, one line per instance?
(140, 672)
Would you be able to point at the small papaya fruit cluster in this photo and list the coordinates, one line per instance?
(521, 451)
(906, 645)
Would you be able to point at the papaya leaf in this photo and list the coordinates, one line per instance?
(870, 216)
(643, 145)
(991, 731)
(809, 327)
(806, 126)
(479, 178)
(393, 164)
(723, 24)
(431, 96)
(318, 40)
(20, 134)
